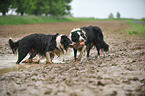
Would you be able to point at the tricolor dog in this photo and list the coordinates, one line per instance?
(45, 45)
(87, 37)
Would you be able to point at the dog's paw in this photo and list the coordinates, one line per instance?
(36, 61)
(27, 61)
(48, 62)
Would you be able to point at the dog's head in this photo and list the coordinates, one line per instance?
(105, 46)
(77, 35)
(62, 42)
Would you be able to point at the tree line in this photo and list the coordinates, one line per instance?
(111, 16)
(37, 7)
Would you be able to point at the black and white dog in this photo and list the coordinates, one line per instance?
(86, 38)
(45, 45)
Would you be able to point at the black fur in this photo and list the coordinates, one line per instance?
(13, 45)
(75, 36)
(65, 41)
(36, 44)
(93, 36)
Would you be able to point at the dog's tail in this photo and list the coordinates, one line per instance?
(14, 45)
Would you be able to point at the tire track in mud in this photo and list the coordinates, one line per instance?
(120, 72)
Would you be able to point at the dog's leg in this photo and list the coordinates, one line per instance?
(22, 53)
(98, 50)
(98, 46)
(75, 53)
(48, 58)
(81, 53)
(55, 51)
(88, 49)
(37, 59)
(51, 56)
(89, 46)
(88, 52)
(29, 60)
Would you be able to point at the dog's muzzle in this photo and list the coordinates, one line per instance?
(81, 39)
(72, 44)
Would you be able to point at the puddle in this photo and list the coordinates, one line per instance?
(8, 62)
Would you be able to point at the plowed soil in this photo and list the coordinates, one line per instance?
(119, 72)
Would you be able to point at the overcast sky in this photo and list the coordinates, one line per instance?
(102, 8)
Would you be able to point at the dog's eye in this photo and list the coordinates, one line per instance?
(73, 35)
(64, 40)
(83, 36)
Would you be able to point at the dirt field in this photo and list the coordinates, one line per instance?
(119, 72)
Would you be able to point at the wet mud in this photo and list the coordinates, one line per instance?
(119, 72)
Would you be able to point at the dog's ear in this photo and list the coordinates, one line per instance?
(56, 34)
(54, 37)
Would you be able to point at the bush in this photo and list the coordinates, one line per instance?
(136, 29)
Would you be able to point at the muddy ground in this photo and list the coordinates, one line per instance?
(119, 72)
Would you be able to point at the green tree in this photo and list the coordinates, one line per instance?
(67, 7)
(111, 16)
(118, 15)
(42, 7)
(37, 7)
(59, 7)
(24, 6)
(5, 5)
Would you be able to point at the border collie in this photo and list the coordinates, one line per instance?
(87, 37)
(45, 45)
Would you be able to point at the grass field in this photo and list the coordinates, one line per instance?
(136, 28)
(16, 20)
